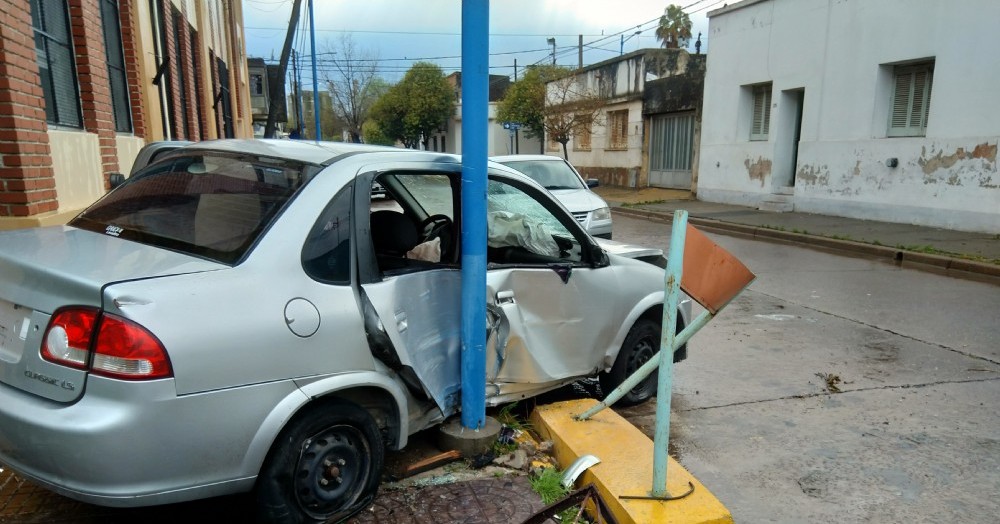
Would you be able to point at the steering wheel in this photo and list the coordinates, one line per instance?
(433, 226)
(437, 226)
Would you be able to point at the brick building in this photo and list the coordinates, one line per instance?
(84, 84)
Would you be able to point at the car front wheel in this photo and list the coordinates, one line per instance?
(324, 467)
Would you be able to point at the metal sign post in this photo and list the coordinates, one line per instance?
(712, 277)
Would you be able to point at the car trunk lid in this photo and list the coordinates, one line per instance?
(43, 269)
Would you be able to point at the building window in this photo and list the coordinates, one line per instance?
(182, 73)
(581, 138)
(911, 97)
(618, 129)
(56, 68)
(257, 84)
(760, 123)
(115, 54)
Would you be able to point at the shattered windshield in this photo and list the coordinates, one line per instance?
(552, 174)
(210, 205)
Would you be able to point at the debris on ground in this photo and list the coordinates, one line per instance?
(831, 380)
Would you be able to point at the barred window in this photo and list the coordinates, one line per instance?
(618, 129)
(56, 66)
(115, 54)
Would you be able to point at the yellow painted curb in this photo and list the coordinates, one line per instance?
(626, 466)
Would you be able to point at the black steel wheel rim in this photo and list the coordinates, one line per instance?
(332, 470)
(643, 350)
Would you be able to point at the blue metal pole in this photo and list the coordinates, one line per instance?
(312, 38)
(475, 100)
(672, 291)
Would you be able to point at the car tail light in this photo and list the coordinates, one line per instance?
(67, 339)
(122, 349)
(126, 350)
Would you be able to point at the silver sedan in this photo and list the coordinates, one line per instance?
(238, 316)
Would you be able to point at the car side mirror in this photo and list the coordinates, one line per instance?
(598, 257)
(593, 182)
(115, 179)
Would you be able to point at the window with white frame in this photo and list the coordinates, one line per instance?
(760, 122)
(911, 97)
(618, 129)
(56, 64)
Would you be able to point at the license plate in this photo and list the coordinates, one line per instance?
(14, 324)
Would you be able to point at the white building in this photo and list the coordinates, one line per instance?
(875, 109)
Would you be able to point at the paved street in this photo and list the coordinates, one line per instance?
(840, 390)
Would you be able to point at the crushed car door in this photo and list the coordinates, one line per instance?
(561, 309)
(412, 300)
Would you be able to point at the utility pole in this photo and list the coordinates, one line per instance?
(275, 91)
(295, 94)
(579, 47)
(517, 138)
(552, 42)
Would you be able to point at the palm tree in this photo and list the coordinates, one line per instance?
(675, 27)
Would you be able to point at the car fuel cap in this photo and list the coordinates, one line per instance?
(301, 317)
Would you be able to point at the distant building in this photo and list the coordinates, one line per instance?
(262, 76)
(647, 132)
(84, 84)
(883, 110)
(500, 141)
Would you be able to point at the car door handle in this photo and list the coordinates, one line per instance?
(505, 297)
(401, 323)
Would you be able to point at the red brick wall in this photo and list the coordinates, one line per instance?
(198, 67)
(92, 73)
(27, 183)
(167, 29)
(127, 16)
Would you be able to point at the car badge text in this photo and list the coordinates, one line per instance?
(113, 230)
(65, 384)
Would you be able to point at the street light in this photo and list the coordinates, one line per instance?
(552, 42)
(621, 51)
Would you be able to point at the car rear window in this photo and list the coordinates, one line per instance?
(209, 205)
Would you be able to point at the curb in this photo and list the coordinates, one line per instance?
(951, 266)
(624, 475)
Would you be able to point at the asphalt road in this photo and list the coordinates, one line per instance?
(840, 389)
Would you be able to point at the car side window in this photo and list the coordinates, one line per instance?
(326, 252)
(521, 230)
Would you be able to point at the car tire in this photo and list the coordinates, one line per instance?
(325, 466)
(641, 344)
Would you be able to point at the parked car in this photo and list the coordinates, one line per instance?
(562, 180)
(235, 317)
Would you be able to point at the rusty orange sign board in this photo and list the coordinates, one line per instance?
(711, 276)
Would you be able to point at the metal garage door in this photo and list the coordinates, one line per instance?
(670, 150)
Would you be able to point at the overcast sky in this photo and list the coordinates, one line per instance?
(401, 32)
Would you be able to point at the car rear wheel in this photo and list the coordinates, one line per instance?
(325, 466)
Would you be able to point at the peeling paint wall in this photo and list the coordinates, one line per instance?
(947, 178)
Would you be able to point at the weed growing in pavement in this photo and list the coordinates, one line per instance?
(548, 485)
(643, 203)
(841, 237)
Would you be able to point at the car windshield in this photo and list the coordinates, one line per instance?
(553, 174)
(210, 205)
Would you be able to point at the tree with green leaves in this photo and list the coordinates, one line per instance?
(674, 30)
(551, 101)
(420, 104)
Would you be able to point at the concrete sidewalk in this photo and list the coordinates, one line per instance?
(956, 253)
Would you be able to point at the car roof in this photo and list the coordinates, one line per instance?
(300, 150)
(513, 158)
